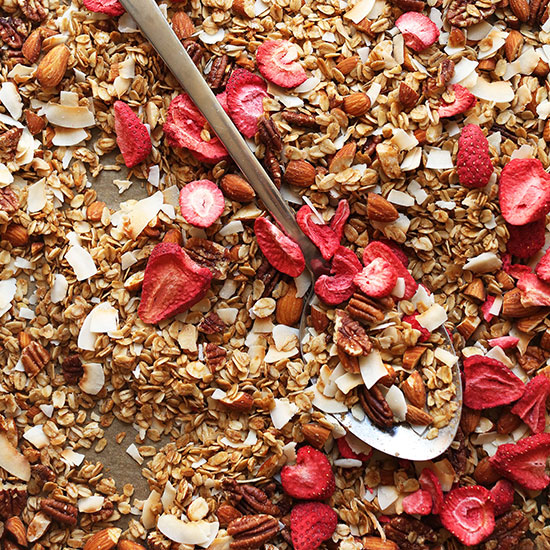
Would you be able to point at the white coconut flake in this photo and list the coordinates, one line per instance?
(282, 412)
(464, 68)
(82, 262)
(396, 401)
(36, 198)
(524, 152)
(232, 228)
(133, 451)
(412, 160)
(93, 379)
(6, 176)
(445, 356)
(104, 318)
(143, 212)
(403, 140)
(348, 381)
(498, 92)
(446, 205)
(72, 458)
(154, 175)
(373, 92)
(260, 7)
(308, 85)
(326, 404)
(439, 159)
(168, 495)
(494, 40)
(68, 137)
(68, 117)
(10, 98)
(37, 437)
(400, 198)
(372, 368)
(387, 495)
(128, 259)
(359, 11)
(212, 38)
(432, 318)
(363, 54)
(483, 263)
(479, 31)
(90, 504)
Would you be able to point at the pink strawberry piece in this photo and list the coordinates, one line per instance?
(526, 240)
(172, 283)
(222, 98)
(524, 191)
(245, 100)
(424, 332)
(525, 461)
(419, 502)
(487, 305)
(430, 482)
(321, 234)
(132, 136)
(398, 251)
(514, 270)
(183, 127)
(489, 383)
(311, 523)
(201, 203)
(281, 251)
(502, 495)
(543, 267)
(474, 166)
(468, 514)
(377, 249)
(419, 32)
(277, 61)
(111, 7)
(534, 291)
(377, 279)
(340, 218)
(347, 452)
(464, 100)
(311, 478)
(532, 406)
(338, 287)
(504, 342)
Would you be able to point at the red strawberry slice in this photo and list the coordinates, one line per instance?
(377, 279)
(245, 100)
(311, 478)
(502, 495)
(424, 332)
(377, 249)
(474, 166)
(172, 283)
(525, 461)
(340, 218)
(277, 61)
(524, 191)
(183, 127)
(222, 98)
(132, 136)
(201, 203)
(346, 451)
(419, 32)
(532, 406)
(281, 251)
(534, 291)
(468, 514)
(419, 502)
(430, 482)
(110, 7)
(398, 251)
(526, 240)
(504, 342)
(489, 383)
(487, 305)
(321, 234)
(514, 270)
(543, 267)
(338, 287)
(311, 523)
(464, 100)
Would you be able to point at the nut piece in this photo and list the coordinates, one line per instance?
(250, 532)
(508, 422)
(289, 307)
(173, 236)
(348, 64)
(350, 335)
(236, 188)
(226, 514)
(376, 543)
(469, 420)
(14, 529)
(300, 173)
(315, 434)
(182, 25)
(72, 369)
(38, 526)
(485, 473)
(35, 123)
(16, 235)
(61, 512)
(476, 290)
(407, 96)
(468, 326)
(417, 416)
(520, 8)
(319, 319)
(356, 104)
(129, 545)
(242, 402)
(349, 362)
(53, 66)
(513, 45)
(24, 339)
(249, 499)
(343, 158)
(105, 539)
(376, 407)
(412, 356)
(33, 44)
(245, 8)
(34, 359)
(95, 211)
(512, 306)
(135, 281)
(414, 389)
(388, 155)
(380, 210)
(9, 203)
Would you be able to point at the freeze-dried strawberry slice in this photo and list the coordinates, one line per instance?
(377, 249)
(504, 342)
(532, 406)
(487, 305)
(183, 127)
(172, 283)
(468, 514)
(110, 7)
(311, 523)
(201, 203)
(245, 100)
(277, 61)
(489, 383)
(514, 270)
(340, 218)
(526, 240)
(338, 287)
(419, 502)
(524, 191)
(222, 98)
(311, 478)
(347, 452)
(424, 332)
(398, 251)
(473, 162)
(321, 234)
(419, 32)
(464, 100)
(525, 461)
(430, 482)
(281, 251)
(543, 267)
(377, 279)
(502, 495)
(132, 136)
(534, 291)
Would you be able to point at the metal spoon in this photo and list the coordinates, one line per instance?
(402, 441)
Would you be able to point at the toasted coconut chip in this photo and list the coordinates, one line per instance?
(93, 379)
(37, 437)
(148, 517)
(67, 137)
(68, 116)
(5, 175)
(282, 412)
(359, 11)
(194, 532)
(91, 504)
(372, 368)
(10, 98)
(432, 318)
(499, 92)
(168, 495)
(13, 461)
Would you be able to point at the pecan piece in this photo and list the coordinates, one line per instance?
(211, 324)
(33, 10)
(376, 407)
(410, 533)
(12, 502)
(410, 5)
(249, 499)
(269, 134)
(349, 362)
(350, 335)
(209, 254)
(435, 86)
(509, 530)
(13, 32)
(43, 472)
(9, 141)
(72, 369)
(9, 202)
(367, 310)
(299, 119)
(272, 165)
(250, 532)
(106, 511)
(532, 359)
(226, 514)
(269, 276)
(215, 357)
(217, 77)
(34, 358)
(463, 13)
(62, 512)
(194, 50)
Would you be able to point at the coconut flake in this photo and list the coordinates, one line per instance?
(372, 368)
(439, 159)
(7, 293)
(326, 404)
(143, 212)
(464, 68)
(412, 159)
(36, 198)
(228, 315)
(445, 356)
(93, 379)
(282, 412)
(232, 228)
(103, 318)
(72, 458)
(10, 98)
(499, 92)
(432, 318)
(348, 381)
(194, 532)
(483, 263)
(308, 85)
(400, 198)
(148, 516)
(212, 38)
(90, 504)
(82, 262)
(37, 437)
(68, 137)
(403, 140)
(359, 11)
(396, 401)
(6, 176)
(168, 495)
(373, 92)
(491, 43)
(387, 495)
(13, 461)
(67, 116)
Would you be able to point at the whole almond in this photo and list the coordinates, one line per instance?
(245, 8)
(106, 539)
(16, 235)
(414, 389)
(289, 307)
(315, 434)
(35, 123)
(380, 210)
(182, 25)
(173, 236)
(32, 46)
(407, 96)
(512, 45)
(300, 173)
(520, 8)
(376, 543)
(236, 188)
(512, 306)
(343, 158)
(95, 211)
(15, 527)
(356, 104)
(508, 422)
(129, 545)
(417, 416)
(53, 66)
(242, 402)
(484, 473)
(348, 64)
(469, 420)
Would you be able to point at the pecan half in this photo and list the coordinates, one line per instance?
(212, 324)
(194, 50)
(9, 202)
(376, 407)
(218, 75)
(61, 512)
(13, 32)
(299, 119)
(269, 276)
(72, 369)
(33, 10)
(9, 140)
(272, 165)
(215, 357)
(410, 533)
(463, 13)
(532, 359)
(365, 309)
(350, 335)
(226, 514)
(509, 530)
(34, 358)
(249, 499)
(43, 472)
(250, 532)
(209, 254)
(269, 134)
(12, 502)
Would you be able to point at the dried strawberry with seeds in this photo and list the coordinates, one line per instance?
(347, 452)
(321, 234)
(340, 218)
(281, 251)
(473, 162)
(172, 283)
(485, 308)
(201, 203)
(419, 32)
(504, 342)
(502, 495)
(377, 279)
(464, 100)
(534, 291)
(277, 61)
(468, 514)
(132, 136)
(424, 332)
(526, 240)
(430, 483)
(489, 383)
(514, 270)
(531, 407)
(543, 267)
(110, 7)
(398, 251)
(419, 502)
(311, 523)
(222, 99)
